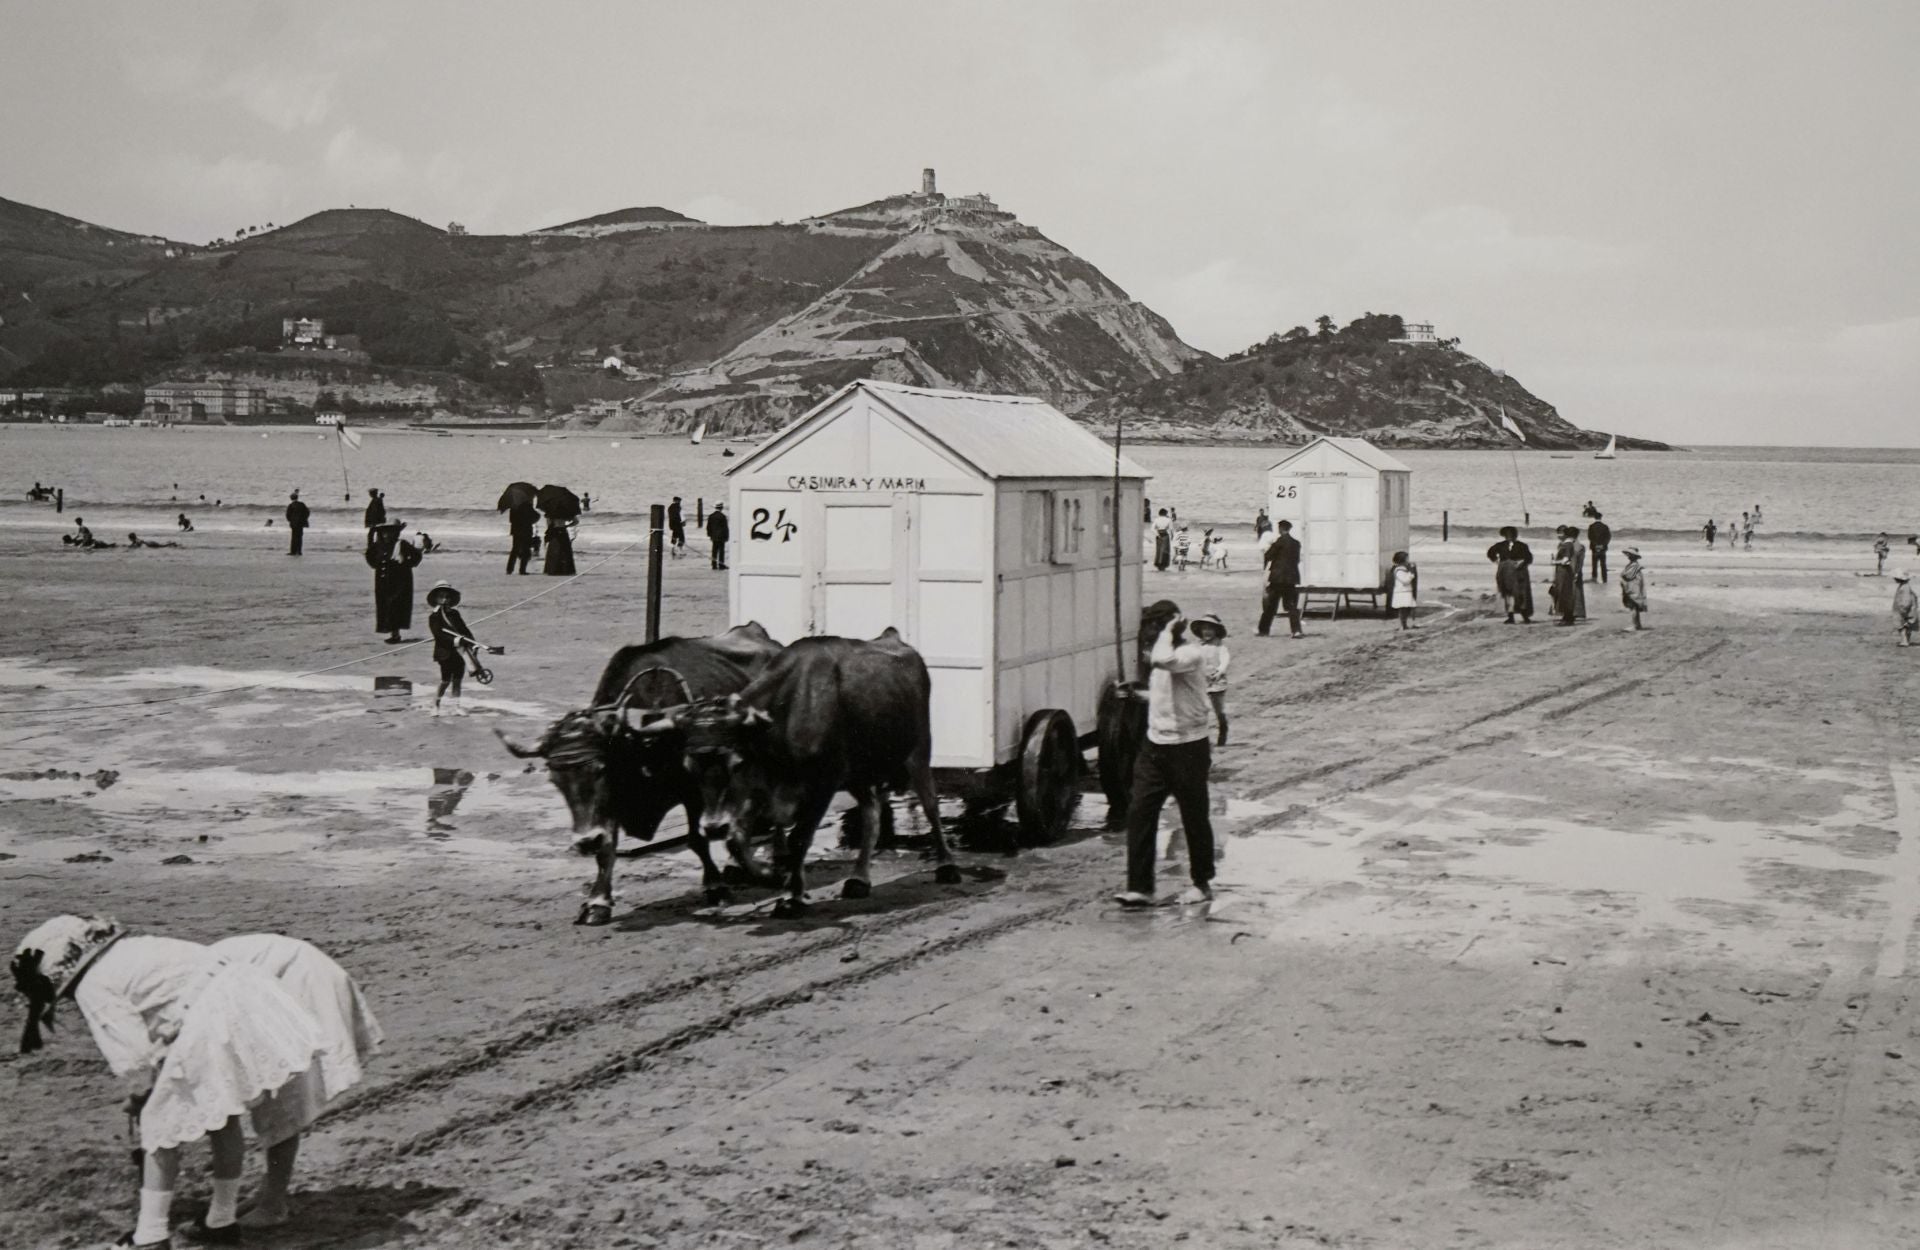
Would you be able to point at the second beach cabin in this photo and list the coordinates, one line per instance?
(1349, 504)
(979, 526)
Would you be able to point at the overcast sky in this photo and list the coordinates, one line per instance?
(1690, 221)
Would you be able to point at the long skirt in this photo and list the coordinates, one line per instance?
(1562, 592)
(1512, 581)
(245, 1041)
(559, 561)
(392, 598)
(1162, 550)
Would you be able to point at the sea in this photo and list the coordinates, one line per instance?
(231, 481)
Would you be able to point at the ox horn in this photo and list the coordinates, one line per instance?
(519, 752)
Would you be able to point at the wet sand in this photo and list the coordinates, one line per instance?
(1526, 936)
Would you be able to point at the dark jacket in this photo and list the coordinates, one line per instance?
(520, 520)
(1510, 550)
(297, 515)
(1283, 561)
(1599, 534)
(675, 521)
(717, 528)
(376, 512)
(392, 561)
(448, 628)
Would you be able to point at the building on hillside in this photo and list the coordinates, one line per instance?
(203, 403)
(1420, 332)
(303, 331)
(455, 228)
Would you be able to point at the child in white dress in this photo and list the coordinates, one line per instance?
(1403, 589)
(199, 1037)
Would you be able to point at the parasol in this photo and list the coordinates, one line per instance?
(515, 494)
(558, 503)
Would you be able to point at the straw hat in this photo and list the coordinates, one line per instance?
(443, 590)
(1632, 553)
(50, 959)
(1901, 575)
(1210, 621)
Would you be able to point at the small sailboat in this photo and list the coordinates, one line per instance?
(699, 433)
(1609, 452)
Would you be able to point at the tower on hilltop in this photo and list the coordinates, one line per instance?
(926, 182)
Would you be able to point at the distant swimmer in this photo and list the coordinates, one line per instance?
(186, 526)
(1880, 549)
(135, 541)
(40, 494)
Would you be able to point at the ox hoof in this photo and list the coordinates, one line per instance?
(854, 887)
(790, 908)
(718, 896)
(947, 874)
(595, 914)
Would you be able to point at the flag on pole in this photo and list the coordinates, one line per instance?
(1507, 423)
(350, 437)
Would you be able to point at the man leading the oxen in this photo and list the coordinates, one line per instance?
(1283, 580)
(1173, 762)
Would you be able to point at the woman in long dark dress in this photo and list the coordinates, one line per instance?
(392, 560)
(559, 562)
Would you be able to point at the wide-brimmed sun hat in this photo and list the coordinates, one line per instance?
(1209, 621)
(443, 590)
(1901, 575)
(50, 959)
(1632, 553)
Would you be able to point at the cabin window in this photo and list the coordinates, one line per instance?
(1038, 516)
(1069, 526)
(1106, 524)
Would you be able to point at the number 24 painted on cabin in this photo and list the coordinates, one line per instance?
(765, 524)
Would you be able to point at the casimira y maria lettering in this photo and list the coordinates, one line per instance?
(800, 482)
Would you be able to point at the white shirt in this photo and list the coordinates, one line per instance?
(1177, 706)
(136, 996)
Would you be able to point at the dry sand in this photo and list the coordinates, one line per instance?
(1526, 937)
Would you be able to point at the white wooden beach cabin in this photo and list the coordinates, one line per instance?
(1348, 502)
(979, 526)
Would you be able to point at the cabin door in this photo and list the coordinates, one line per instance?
(1323, 550)
(861, 568)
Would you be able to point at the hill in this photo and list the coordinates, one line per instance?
(1365, 379)
(738, 326)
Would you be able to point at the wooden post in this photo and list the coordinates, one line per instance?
(1443, 526)
(700, 512)
(60, 500)
(1119, 622)
(656, 522)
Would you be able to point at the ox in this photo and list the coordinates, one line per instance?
(828, 714)
(614, 778)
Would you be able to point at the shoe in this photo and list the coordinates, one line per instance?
(459, 708)
(435, 712)
(198, 1234)
(1133, 899)
(166, 1244)
(1196, 894)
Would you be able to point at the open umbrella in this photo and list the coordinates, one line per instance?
(558, 503)
(516, 494)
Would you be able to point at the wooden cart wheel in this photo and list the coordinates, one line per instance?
(1049, 776)
(1123, 723)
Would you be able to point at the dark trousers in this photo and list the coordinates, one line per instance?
(1277, 597)
(1161, 772)
(520, 553)
(719, 555)
(299, 532)
(1599, 563)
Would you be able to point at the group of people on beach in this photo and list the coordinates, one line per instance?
(1512, 559)
(262, 1027)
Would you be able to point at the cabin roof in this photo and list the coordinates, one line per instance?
(998, 436)
(1359, 448)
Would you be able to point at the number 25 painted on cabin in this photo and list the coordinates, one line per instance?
(765, 524)
(1286, 492)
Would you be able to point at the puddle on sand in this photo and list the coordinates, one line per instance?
(1440, 866)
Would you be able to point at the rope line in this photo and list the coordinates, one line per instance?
(317, 672)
